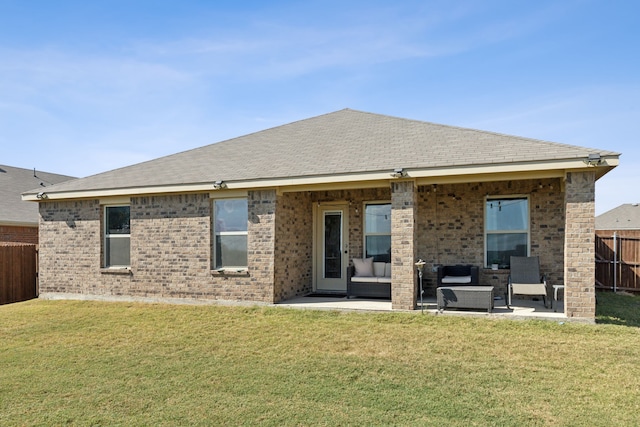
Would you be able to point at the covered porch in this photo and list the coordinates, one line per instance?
(443, 224)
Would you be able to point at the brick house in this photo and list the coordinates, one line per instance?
(18, 218)
(280, 213)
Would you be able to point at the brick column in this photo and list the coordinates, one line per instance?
(579, 245)
(403, 244)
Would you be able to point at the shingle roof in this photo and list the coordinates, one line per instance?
(342, 142)
(624, 217)
(13, 182)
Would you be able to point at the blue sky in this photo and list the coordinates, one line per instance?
(87, 87)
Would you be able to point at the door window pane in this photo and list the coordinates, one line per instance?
(333, 245)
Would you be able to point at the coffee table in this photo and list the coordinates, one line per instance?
(480, 297)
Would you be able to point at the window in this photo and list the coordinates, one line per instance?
(506, 230)
(377, 232)
(117, 236)
(230, 218)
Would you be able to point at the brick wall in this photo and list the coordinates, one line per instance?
(451, 227)
(170, 250)
(18, 234)
(171, 240)
(261, 248)
(70, 247)
(403, 244)
(293, 246)
(579, 269)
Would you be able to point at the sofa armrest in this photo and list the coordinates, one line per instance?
(440, 275)
(351, 270)
(475, 275)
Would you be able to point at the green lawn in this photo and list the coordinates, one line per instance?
(96, 363)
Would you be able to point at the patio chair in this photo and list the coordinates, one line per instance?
(525, 279)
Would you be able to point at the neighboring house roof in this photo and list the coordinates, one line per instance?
(624, 217)
(344, 146)
(13, 182)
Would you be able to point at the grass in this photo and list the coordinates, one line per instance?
(96, 363)
(618, 309)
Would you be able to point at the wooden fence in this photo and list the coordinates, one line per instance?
(618, 260)
(18, 272)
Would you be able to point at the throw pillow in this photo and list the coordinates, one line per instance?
(364, 267)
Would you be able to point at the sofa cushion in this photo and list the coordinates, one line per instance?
(378, 269)
(356, 279)
(364, 267)
(456, 279)
(387, 270)
(384, 279)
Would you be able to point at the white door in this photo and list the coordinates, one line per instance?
(332, 254)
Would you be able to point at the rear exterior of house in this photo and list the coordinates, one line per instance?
(281, 213)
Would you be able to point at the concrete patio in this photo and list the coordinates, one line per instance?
(520, 309)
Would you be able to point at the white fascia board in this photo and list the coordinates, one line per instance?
(491, 172)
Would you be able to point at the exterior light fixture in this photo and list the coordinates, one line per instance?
(42, 196)
(594, 159)
(219, 185)
(399, 173)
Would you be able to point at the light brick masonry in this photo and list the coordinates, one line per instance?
(171, 241)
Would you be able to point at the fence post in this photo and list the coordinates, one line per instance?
(615, 262)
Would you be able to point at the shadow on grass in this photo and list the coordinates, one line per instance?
(618, 309)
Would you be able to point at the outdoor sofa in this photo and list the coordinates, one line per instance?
(369, 279)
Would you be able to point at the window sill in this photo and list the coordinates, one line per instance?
(116, 270)
(230, 272)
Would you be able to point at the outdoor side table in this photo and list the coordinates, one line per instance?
(479, 297)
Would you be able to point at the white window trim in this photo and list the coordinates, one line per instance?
(227, 268)
(527, 231)
(108, 236)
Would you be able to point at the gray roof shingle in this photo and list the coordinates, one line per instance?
(624, 217)
(342, 142)
(13, 182)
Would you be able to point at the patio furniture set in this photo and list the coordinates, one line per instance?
(458, 286)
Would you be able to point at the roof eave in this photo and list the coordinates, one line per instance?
(423, 176)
